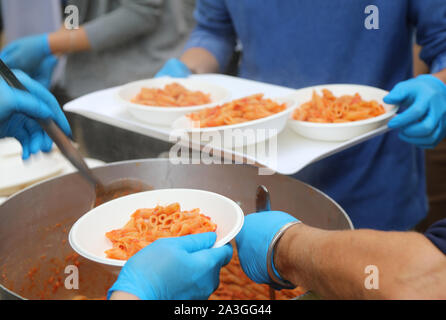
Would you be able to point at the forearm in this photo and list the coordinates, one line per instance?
(129, 21)
(66, 41)
(200, 60)
(333, 263)
(126, 23)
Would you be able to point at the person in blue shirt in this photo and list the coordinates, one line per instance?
(380, 183)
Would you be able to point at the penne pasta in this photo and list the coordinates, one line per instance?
(172, 95)
(238, 111)
(330, 109)
(148, 225)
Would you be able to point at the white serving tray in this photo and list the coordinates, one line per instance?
(294, 152)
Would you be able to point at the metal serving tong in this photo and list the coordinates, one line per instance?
(103, 193)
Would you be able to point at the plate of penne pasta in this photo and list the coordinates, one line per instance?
(163, 100)
(243, 121)
(339, 112)
(114, 231)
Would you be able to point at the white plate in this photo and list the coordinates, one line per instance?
(17, 174)
(341, 131)
(167, 115)
(10, 147)
(241, 134)
(87, 236)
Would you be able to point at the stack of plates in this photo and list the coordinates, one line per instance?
(17, 174)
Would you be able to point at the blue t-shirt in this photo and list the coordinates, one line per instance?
(301, 43)
(437, 234)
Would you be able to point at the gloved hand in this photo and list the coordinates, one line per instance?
(424, 122)
(33, 55)
(182, 268)
(19, 109)
(254, 239)
(44, 73)
(174, 68)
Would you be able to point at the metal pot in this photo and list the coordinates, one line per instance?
(34, 226)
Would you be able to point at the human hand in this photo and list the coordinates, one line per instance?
(19, 111)
(254, 239)
(174, 68)
(181, 268)
(44, 73)
(32, 55)
(424, 122)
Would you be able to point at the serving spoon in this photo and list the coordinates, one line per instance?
(103, 192)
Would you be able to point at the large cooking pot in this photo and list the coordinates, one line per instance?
(34, 223)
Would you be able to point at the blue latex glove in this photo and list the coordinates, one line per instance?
(33, 55)
(182, 268)
(19, 109)
(174, 68)
(424, 122)
(254, 239)
(44, 73)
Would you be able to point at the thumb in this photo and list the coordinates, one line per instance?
(197, 242)
(46, 71)
(397, 95)
(219, 256)
(223, 254)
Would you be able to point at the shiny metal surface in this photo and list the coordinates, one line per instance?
(36, 221)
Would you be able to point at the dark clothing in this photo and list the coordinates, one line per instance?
(437, 234)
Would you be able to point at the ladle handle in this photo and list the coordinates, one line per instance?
(263, 203)
(54, 132)
(68, 150)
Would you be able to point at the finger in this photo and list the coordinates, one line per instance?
(47, 144)
(24, 102)
(197, 242)
(36, 136)
(416, 112)
(218, 256)
(398, 94)
(226, 254)
(46, 69)
(22, 136)
(425, 127)
(424, 142)
(41, 93)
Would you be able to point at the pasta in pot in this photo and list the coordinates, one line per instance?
(330, 109)
(148, 225)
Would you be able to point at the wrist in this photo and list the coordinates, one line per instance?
(141, 289)
(66, 41)
(278, 280)
(284, 255)
(46, 46)
(200, 60)
(121, 295)
(436, 80)
(441, 75)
